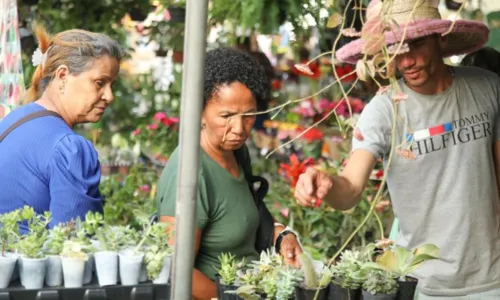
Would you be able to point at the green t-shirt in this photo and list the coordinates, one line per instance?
(225, 212)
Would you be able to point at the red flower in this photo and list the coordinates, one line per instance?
(313, 134)
(379, 174)
(344, 70)
(168, 121)
(276, 84)
(295, 168)
(136, 132)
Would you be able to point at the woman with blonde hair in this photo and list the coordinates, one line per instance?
(44, 163)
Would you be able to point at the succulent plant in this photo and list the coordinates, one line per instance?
(9, 230)
(380, 282)
(56, 238)
(73, 249)
(32, 243)
(228, 269)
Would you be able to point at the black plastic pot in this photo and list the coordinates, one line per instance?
(302, 293)
(92, 291)
(339, 293)
(222, 289)
(406, 289)
(370, 296)
(177, 14)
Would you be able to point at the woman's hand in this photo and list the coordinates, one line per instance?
(290, 250)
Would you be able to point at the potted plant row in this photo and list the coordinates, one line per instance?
(360, 273)
(68, 254)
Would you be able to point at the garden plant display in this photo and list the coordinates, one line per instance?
(74, 244)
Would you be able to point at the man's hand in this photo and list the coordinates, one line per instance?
(290, 250)
(312, 186)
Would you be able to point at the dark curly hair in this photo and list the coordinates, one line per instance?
(224, 66)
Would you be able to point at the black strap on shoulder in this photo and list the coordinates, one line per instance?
(37, 114)
(265, 232)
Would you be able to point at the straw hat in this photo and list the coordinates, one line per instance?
(465, 36)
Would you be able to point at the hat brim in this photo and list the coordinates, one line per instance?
(465, 37)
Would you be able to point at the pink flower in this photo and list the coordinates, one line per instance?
(383, 89)
(357, 105)
(136, 132)
(160, 116)
(144, 188)
(373, 36)
(406, 153)
(350, 32)
(399, 97)
(153, 126)
(285, 212)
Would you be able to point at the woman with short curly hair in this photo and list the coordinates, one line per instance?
(227, 217)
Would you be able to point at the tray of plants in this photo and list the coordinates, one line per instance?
(92, 291)
(89, 260)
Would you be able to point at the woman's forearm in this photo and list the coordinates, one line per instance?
(203, 287)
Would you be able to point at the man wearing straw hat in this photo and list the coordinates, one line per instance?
(443, 185)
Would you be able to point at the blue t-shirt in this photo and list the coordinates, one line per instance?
(46, 165)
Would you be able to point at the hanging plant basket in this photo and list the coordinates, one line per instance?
(177, 14)
(178, 56)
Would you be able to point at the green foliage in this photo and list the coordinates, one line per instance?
(313, 280)
(56, 238)
(157, 248)
(348, 272)
(380, 282)
(31, 244)
(267, 276)
(124, 199)
(228, 269)
(9, 230)
(403, 262)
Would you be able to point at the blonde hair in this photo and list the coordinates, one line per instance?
(75, 48)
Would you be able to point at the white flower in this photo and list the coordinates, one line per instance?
(38, 57)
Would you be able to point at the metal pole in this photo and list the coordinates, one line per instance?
(189, 143)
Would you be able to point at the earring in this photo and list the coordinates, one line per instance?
(203, 126)
(61, 87)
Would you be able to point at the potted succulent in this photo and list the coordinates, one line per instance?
(130, 258)
(347, 275)
(106, 258)
(158, 256)
(226, 276)
(9, 235)
(80, 235)
(267, 278)
(33, 260)
(402, 262)
(379, 285)
(73, 263)
(315, 284)
(52, 248)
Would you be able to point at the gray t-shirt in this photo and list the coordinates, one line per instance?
(448, 195)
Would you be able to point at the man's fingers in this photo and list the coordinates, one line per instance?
(307, 180)
(324, 185)
(301, 195)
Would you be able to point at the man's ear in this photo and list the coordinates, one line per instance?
(62, 72)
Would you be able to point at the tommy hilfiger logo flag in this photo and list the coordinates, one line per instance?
(425, 133)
